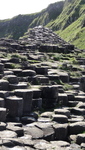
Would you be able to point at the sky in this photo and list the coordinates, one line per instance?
(11, 8)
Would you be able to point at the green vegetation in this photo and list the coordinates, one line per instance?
(66, 18)
(67, 87)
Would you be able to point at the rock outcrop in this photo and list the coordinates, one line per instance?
(42, 102)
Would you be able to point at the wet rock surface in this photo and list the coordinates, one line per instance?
(42, 94)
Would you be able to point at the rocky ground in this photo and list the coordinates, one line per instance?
(42, 93)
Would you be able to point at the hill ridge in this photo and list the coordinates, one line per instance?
(61, 17)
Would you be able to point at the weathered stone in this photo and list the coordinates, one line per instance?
(4, 85)
(61, 143)
(4, 94)
(14, 60)
(79, 98)
(16, 129)
(64, 77)
(83, 145)
(7, 143)
(7, 134)
(76, 128)
(2, 102)
(48, 131)
(37, 104)
(2, 126)
(82, 83)
(17, 72)
(81, 105)
(42, 80)
(78, 111)
(9, 72)
(36, 93)
(61, 131)
(18, 124)
(76, 119)
(74, 146)
(12, 79)
(35, 132)
(80, 138)
(62, 111)
(28, 73)
(41, 144)
(15, 106)
(49, 91)
(22, 85)
(41, 70)
(48, 103)
(63, 99)
(2, 114)
(44, 119)
(28, 119)
(1, 67)
(27, 96)
(9, 65)
(60, 118)
(72, 103)
(47, 114)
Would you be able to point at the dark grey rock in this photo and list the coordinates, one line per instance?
(3, 114)
(61, 131)
(76, 128)
(27, 95)
(60, 118)
(15, 106)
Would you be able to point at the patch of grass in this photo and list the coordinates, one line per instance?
(67, 87)
(75, 74)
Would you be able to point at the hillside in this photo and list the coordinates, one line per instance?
(66, 18)
(17, 26)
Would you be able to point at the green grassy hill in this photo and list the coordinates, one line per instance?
(66, 18)
(17, 26)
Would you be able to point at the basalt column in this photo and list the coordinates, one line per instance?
(49, 96)
(27, 96)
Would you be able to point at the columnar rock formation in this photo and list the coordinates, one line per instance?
(42, 99)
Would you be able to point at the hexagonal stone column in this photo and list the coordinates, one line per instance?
(2, 114)
(15, 106)
(27, 96)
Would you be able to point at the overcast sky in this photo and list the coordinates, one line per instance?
(11, 8)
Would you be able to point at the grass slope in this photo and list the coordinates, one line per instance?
(75, 32)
